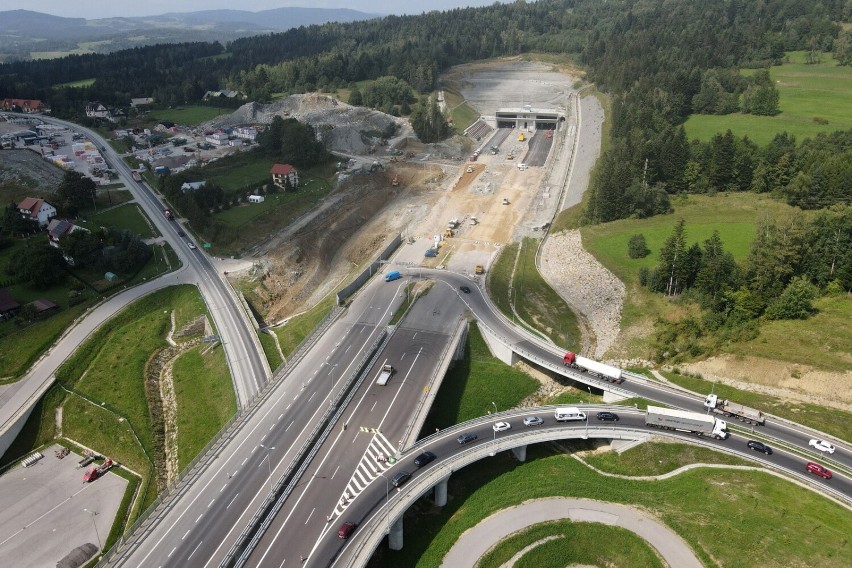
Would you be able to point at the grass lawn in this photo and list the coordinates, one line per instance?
(657, 458)
(299, 327)
(577, 542)
(472, 384)
(719, 513)
(188, 115)
(240, 170)
(828, 420)
(806, 92)
(205, 399)
(128, 216)
(270, 350)
(535, 301)
(462, 113)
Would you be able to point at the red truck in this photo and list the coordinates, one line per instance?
(96, 472)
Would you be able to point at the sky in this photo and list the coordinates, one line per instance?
(92, 9)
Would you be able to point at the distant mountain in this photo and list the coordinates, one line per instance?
(23, 32)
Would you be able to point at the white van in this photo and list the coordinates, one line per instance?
(565, 414)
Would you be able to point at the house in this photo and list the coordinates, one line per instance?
(24, 105)
(96, 110)
(193, 185)
(8, 305)
(237, 142)
(246, 133)
(38, 210)
(141, 101)
(43, 307)
(58, 228)
(256, 199)
(218, 138)
(281, 172)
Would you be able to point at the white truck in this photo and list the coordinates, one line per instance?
(385, 375)
(684, 421)
(568, 413)
(600, 370)
(732, 409)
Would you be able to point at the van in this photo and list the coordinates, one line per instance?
(565, 414)
(393, 275)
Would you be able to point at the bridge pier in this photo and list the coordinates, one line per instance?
(395, 535)
(441, 492)
(520, 453)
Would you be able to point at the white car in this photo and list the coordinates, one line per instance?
(501, 426)
(190, 245)
(822, 446)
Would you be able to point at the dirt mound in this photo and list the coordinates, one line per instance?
(342, 127)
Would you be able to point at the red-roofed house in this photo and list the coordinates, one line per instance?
(281, 172)
(24, 105)
(37, 210)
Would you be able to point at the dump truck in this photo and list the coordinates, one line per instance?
(732, 409)
(600, 370)
(385, 375)
(521, 138)
(96, 472)
(684, 421)
(479, 269)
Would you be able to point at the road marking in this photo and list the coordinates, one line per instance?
(282, 416)
(244, 461)
(211, 502)
(223, 488)
(288, 425)
(370, 430)
(232, 500)
(264, 436)
(288, 406)
(374, 406)
(310, 514)
(172, 552)
(199, 517)
(347, 350)
(185, 535)
(335, 472)
(403, 357)
(271, 426)
(312, 396)
(193, 552)
(415, 334)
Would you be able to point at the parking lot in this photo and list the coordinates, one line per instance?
(48, 499)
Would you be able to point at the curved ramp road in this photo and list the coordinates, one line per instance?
(475, 542)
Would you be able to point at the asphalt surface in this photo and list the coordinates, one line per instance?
(474, 543)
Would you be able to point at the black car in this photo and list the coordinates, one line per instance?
(607, 416)
(400, 478)
(464, 289)
(465, 438)
(181, 234)
(423, 459)
(759, 447)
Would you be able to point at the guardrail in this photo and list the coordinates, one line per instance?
(239, 553)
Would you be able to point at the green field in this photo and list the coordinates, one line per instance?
(658, 458)
(580, 542)
(299, 327)
(189, 115)
(462, 113)
(720, 513)
(128, 216)
(270, 350)
(807, 92)
(475, 385)
(240, 170)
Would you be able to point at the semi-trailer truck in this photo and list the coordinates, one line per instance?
(732, 409)
(684, 421)
(605, 372)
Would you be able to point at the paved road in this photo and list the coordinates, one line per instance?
(475, 542)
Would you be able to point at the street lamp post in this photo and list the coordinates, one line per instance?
(495, 407)
(387, 500)
(94, 524)
(268, 461)
(590, 393)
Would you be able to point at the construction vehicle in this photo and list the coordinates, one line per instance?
(395, 181)
(684, 421)
(494, 150)
(474, 157)
(385, 375)
(472, 220)
(732, 409)
(453, 223)
(610, 374)
(522, 138)
(448, 233)
(96, 472)
(470, 169)
(479, 269)
(505, 201)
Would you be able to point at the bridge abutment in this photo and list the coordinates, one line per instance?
(395, 535)
(441, 492)
(520, 453)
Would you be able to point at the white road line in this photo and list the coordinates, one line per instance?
(374, 406)
(185, 535)
(399, 390)
(282, 416)
(232, 501)
(172, 552)
(223, 488)
(244, 461)
(199, 517)
(312, 396)
(347, 350)
(210, 503)
(288, 406)
(403, 357)
(271, 426)
(288, 425)
(335, 472)
(310, 515)
(193, 552)
(262, 438)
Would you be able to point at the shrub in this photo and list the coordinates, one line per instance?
(637, 247)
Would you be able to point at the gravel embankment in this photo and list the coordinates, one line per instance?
(584, 283)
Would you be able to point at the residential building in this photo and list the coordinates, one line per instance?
(256, 199)
(281, 172)
(38, 210)
(193, 185)
(218, 138)
(224, 93)
(97, 110)
(24, 105)
(246, 133)
(142, 101)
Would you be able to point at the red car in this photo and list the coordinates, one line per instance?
(346, 530)
(817, 469)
